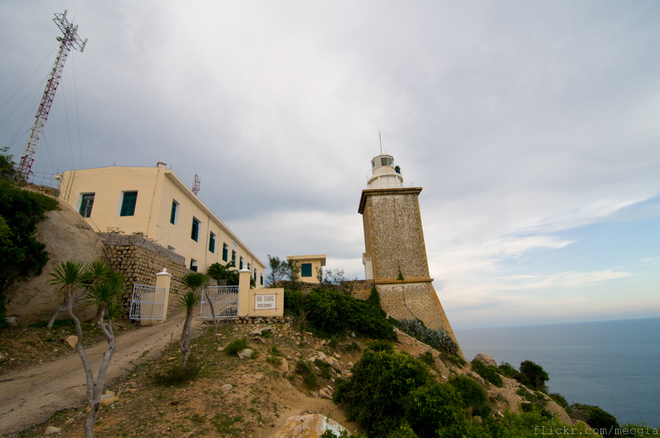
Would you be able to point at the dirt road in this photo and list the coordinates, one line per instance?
(31, 396)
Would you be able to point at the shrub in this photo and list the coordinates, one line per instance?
(560, 400)
(381, 345)
(178, 374)
(375, 394)
(595, 417)
(533, 375)
(488, 372)
(236, 345)
(431, 408)
(427, 358)
(311, 381)
(324, 367)
(506, 369)
(472, 395)
(329, 313)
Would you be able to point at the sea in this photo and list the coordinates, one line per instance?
(611, 364)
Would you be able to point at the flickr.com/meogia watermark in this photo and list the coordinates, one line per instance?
(594, 431)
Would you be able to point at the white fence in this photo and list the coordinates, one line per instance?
(224, 299)
(147, 302)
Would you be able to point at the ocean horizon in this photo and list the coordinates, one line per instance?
(611, 364)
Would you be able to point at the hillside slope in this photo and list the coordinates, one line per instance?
(250, 397)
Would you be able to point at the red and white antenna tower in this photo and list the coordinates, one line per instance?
(197, 182)
(68, 41)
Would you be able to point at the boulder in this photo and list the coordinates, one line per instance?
(67, 237)
(308, 426)
(245, 354)
(486, 359)
(51, 430)
(108, 399)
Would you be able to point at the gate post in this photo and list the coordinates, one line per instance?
(243, 292)
(163, 279)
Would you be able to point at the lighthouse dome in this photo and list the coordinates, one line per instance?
(384, 174)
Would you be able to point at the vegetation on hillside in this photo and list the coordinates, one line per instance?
(21, 255)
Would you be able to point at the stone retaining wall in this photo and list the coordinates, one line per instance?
(140, 260)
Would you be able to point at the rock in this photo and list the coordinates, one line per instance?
(284, 366)
(245, 354)
(71, 341)
(67, 236)
(108, 399)
(325, 393)
(322, 356)
(440, 366)
(227, 387)
(51, 430)
(12, 321)
(308, 426)
(486, 359)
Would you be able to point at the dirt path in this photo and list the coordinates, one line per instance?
(31, 396)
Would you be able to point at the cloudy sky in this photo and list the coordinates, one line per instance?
(533, 128)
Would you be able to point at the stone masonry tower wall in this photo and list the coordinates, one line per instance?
(395, 255)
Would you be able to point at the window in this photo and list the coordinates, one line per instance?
(193, 265)
(194, 233)
(174, 215)
(86, 202)
(248, 266)
(306, 269)
(240, 266)
(225, 252)
(128, 204)
(212, 243)
(255, 275)
(233, 257)
(261, 279)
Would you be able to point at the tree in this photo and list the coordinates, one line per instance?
(223, 273)
(193, 282)
(105, 294)
(533, 375)
(282, 270)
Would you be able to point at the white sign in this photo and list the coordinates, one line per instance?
(265, 301)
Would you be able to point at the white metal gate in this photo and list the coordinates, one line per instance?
(224, 299)
(147, 302)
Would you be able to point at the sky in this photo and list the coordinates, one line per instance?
(532, 127)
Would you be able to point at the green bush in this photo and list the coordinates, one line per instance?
(427, 358)
(533, 375)
(375, 396)
(472, 395)
(311, 381)
(177, 374)
(432, 412)
(324, 367)
(236, 345)
(506, 369)
(559, 399)
(381, 345)
(595, 417)
(330, 313)
(488, 372)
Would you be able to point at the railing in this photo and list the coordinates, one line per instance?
(224, 299)
(147, 302)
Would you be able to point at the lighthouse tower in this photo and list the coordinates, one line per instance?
(395, 252)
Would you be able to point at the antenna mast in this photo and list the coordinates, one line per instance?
(197, 182)
(380, 139)
(68, 41)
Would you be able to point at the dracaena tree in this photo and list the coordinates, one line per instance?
(194, 282)
(104, 293)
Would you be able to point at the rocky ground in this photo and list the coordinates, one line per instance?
(232, 396)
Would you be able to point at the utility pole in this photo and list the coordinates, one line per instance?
(68, 41)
